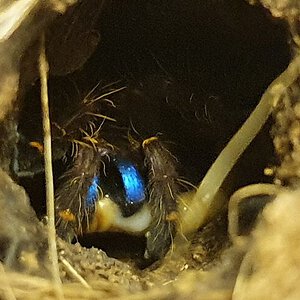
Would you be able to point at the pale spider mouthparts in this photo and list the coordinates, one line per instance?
(207, 196)
(108, 217)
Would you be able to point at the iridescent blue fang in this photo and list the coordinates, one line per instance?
(93, 192)
(133, 182)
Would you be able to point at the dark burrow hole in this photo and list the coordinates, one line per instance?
(249, 208)
(194, 71)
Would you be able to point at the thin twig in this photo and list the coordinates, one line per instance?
(43, 69)
(74, 273)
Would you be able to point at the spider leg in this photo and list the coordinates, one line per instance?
(76, 196)
(163, 191)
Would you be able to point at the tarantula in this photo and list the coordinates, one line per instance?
(114, 181)
(109, 189)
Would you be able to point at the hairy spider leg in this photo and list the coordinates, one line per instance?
(163, 190)
(80, 188)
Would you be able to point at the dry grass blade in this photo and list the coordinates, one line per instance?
(74, 273)
(31, 287)
(13, 16)
(43, 69)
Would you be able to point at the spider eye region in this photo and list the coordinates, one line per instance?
(93, 192)
(133, 182)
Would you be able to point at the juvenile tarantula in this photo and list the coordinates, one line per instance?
(114, 182)
(111, 189)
